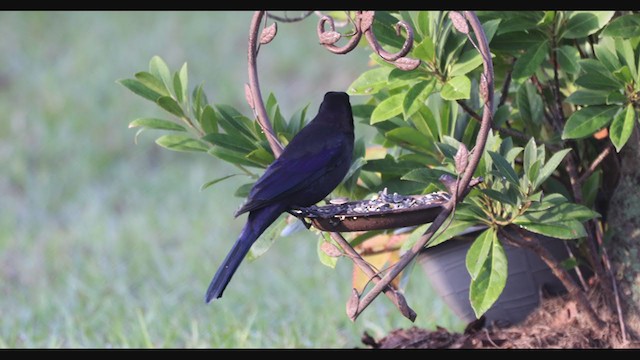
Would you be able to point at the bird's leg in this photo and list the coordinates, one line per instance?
(300, 214)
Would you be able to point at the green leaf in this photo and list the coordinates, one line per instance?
(410, 138)
(518, 21)
(370, 82)
(512, 153)
(152, 82)
(140, 89)
(530, 154)
(159, 69)
(530, 61)
(209, 120)
(568, 58)
(180, 142)
(267, 238)
(588, 120)
(490, 27)
(490, 280)
(572, 229)
(587, 97)
(243, 190)
(198, 101)
(455, 228)
(622, 126)
(514, 42)
(425, 175)
(625, 53)
(616, 98)
(388, 108)
(498, 196)
(261, 156)
(215, 181)
(504, 168)
(550, 166)
(530, 104)
(184, 81)
(534, 171)
(597, 76)
(232, 121)
(626, 26)
(606, 53)
(458, 87)
(363, 111)
(582, 24)
(425, 50)
(558, 214)
(478, 252)
(231, 142)
(170, 105)
(177, 86)
(468, 62)
(425, 122)
(624, 74)
(153, 123)
(416, 96)
(232, 157)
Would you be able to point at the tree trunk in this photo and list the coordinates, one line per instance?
(624, 224)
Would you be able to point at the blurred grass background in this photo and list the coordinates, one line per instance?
(105, 243)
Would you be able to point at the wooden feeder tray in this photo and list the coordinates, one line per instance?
(387, 211)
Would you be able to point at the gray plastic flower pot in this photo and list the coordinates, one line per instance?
(444, 265)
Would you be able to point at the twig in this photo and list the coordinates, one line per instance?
(576, 268)
(366, 268)
(504, 131)
(614, 286)
(462, 187)
(594, 165)
(531, 242)
(507, 83)
(556, 78)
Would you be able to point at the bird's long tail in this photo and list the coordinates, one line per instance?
(258, 221)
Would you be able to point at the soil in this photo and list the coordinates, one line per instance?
(557, 323)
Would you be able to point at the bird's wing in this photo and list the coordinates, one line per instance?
(295, 170)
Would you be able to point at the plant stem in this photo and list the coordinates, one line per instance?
(603, 154)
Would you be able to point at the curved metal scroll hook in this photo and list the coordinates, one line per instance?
(363, 23)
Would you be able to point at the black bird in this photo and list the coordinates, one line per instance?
(309, 168)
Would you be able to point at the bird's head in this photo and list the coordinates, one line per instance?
(337, 108)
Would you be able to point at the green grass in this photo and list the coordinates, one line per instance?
(105, 243)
